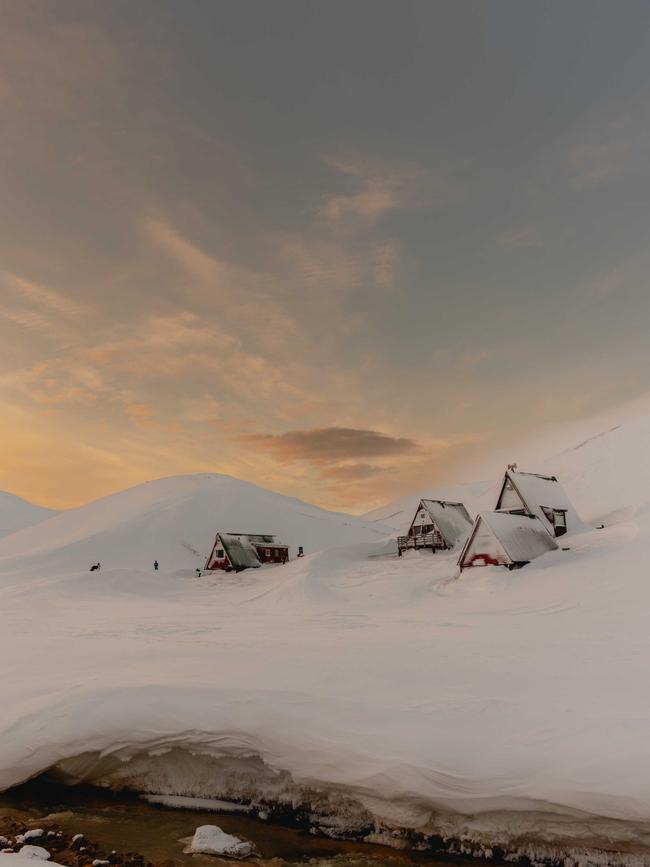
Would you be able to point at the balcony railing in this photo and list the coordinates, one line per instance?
(424, 540)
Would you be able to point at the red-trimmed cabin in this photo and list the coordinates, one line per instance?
(238, 551)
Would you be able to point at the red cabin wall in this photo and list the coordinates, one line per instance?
(221, 563)
(277, 554)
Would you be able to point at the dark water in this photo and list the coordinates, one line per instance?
(128, 824)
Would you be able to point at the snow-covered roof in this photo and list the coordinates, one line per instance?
(257, 538)
(241, 553)
(522, 537)
(452, 519)
(537, 492)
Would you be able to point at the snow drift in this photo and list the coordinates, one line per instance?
(372, 693)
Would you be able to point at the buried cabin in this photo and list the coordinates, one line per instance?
(505, 539)
(438, 524)
(531, 512)
(239, 551)
(541, 496)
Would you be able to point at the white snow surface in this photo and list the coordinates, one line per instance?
(16, 513)
(22, 858)
(490, 707)
(37, 852)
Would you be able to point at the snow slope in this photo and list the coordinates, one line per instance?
(477, 497)
(602, 462)
(16, 513)
(174, 520)
(499, 708)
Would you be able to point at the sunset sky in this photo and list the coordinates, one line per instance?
(339, 249)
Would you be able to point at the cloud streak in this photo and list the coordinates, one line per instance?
(381, 188)
(333, 444)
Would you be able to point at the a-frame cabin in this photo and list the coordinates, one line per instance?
(239, 551)
(438, 524)
(505, 539)
(541, 496)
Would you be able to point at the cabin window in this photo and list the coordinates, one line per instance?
(556, 517)
(219, 554)
(560, 522)
(268, 552)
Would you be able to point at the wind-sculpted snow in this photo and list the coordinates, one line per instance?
(499, 708)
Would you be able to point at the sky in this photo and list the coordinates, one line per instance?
(339, 249)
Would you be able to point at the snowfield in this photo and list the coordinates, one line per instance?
(500, 708)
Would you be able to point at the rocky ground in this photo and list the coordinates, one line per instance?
(71, 850)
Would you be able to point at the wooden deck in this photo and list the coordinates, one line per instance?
(434, 541)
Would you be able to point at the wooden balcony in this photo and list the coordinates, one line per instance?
(434, 541)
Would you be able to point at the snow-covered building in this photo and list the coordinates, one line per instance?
(238, 551)
(541, 496)
(438, 524)
(505, 539)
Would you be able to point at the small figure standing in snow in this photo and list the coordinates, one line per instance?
(198, 572)
(155, 565)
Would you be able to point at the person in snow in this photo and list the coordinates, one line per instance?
(155, 565)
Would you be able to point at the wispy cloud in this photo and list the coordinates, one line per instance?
(25, 318)
(207, 270)
(379, 188)
(42, 296)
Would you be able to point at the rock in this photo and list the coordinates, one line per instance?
(35, 852)
(211, 840)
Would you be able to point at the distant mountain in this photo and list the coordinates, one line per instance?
(16, 513)
(174, 520)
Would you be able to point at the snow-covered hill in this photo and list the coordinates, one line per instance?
(174, 520)
(497, 708)
(16, 513)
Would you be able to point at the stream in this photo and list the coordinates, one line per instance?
(125, 823)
